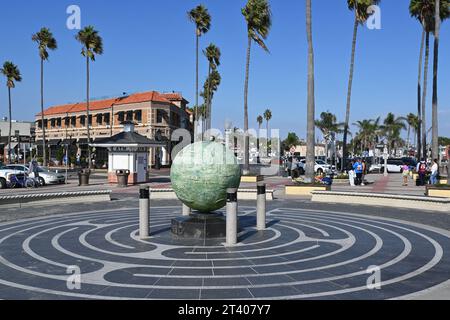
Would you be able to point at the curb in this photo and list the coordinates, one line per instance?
(383, 200)
(52, 198)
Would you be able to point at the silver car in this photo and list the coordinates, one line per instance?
(45, 176)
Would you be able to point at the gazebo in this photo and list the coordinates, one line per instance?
(128, 150)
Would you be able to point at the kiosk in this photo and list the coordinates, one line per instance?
(128, 152)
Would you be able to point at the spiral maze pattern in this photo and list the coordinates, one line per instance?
(304, 254)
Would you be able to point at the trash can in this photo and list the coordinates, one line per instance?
(122, 178)
(83, 177)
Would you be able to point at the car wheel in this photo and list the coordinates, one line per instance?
(41, 181)
(2, 183)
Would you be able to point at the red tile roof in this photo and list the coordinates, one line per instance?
(151, 96)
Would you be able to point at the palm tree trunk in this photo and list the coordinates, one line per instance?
(88, 113)
(196, 87)
(424, 97)
(310, 153)
(208, 101)
(435, 120)
(419, 98)
(246, 170)
(10, 126)
(349, 94)
(257, 143)
(408, 143)
(44, 143)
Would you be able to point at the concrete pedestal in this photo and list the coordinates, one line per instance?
(200, 226)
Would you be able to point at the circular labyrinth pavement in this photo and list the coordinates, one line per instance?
(304, 254)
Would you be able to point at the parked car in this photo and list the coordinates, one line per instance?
(393, 166)
(45, 176)
(319, 168)
(4, 172)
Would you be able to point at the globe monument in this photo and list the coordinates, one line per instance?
(201, 174)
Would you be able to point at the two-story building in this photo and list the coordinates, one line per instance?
(157, 116)
(22, 140)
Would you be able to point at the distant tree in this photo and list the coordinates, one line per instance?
(360, 9)
(291, 141)
(202, 20)
(92, 45)
(45, 40)
(12, 74)
(258, 17)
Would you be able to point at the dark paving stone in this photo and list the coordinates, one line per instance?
(218, 294)
(272, 292)
(178, 294)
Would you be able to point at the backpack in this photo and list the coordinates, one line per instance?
(422, 168)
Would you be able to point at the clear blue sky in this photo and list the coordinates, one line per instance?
(150, 45)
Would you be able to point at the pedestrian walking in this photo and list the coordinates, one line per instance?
(405, 173)
(358, 167)
(422, 171)
(434, 172)
(351, 175)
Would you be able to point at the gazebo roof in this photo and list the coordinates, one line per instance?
(127, 139)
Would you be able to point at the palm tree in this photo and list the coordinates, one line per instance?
(360, 8)
(365, 131)
(442, 12)
(392, 128)
(213, 54)
(260, 121)
(267, 117)
(423, 10)
(92, 45)
(202, 20)
(45, 40)
(328, 125)
(259, 21)
(12, 74)
(412, 121)
(209, 88)
(310, 136)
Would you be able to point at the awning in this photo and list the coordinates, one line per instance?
(68, 142)
(48, 143)
(83, 142)
(54, 142)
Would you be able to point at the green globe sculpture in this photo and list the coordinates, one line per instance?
(201, 174)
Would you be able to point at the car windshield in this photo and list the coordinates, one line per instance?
(320, 162)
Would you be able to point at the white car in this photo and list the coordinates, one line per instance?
(45, 176)
(319, 168)
(393, 166)
(3, 176)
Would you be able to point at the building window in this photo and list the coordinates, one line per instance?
(52, 123)
(100, 119)
(83, 121)
(106, 119)
(73, 121)
(39, 124)
(130, 116)
(90, 120)
(159, 116)
(175, 119)
(59, 122)
(67, 121)
(45, 123)
(17, 133)
(138, 115)
(121, 116)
